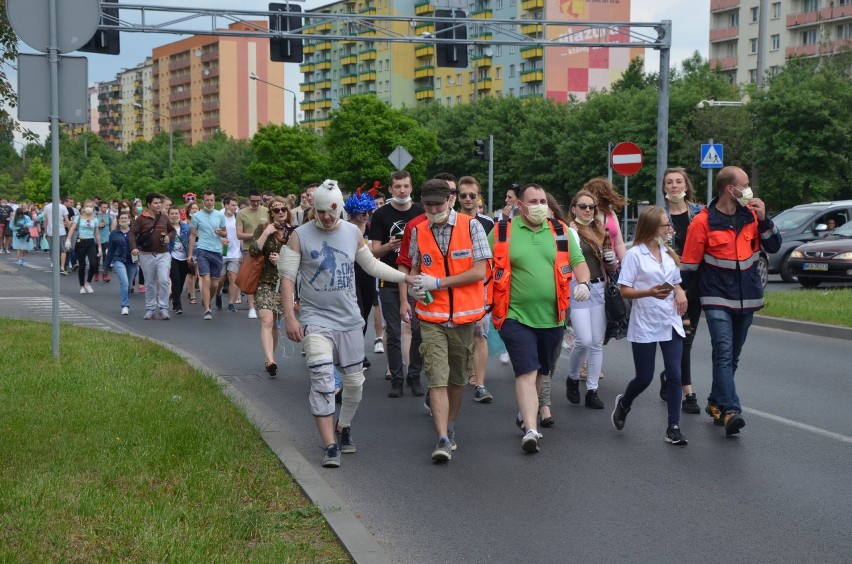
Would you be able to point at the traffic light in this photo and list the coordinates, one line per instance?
(105, 41)
(481, 149)
(285, 50)
(451, 54)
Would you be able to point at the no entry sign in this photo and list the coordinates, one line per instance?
(626, 158)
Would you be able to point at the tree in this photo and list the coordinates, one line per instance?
(286, 159)
(364, 131)
(37, 183)
(8, 57)
(96, 180)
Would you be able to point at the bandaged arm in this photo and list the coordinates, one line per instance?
(375, 267)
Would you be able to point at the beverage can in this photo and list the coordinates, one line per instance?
(225, 249)
(428, 299)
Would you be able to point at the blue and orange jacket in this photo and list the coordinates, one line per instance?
(726, 259)
(460, 304)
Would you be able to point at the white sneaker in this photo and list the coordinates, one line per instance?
(125, 311)
(378, 347)
(88, 288)
(530, 441)
(83, 290)
(252, 313)
(504, 358)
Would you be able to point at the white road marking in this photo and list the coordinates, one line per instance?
(798, 425)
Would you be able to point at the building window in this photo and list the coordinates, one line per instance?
(776, 10)
(844, 31)
(511, 71)
(498, 50)
(499, 4)
(511, 49)
(437, 82)
(774, 69)
(755, 14)
(733, 19)
(470, 77)
(752, 45)
(449, 101)
(776, 41)
(810, 5)
(499, 73)
(459, 79)
(752, 76)
(458, 99)
(809, 37)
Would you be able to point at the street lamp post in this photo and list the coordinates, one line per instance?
(253, 76)
(715, 104)
(171, 129)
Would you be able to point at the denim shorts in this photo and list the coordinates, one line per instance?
(209, 263)
(531, 349)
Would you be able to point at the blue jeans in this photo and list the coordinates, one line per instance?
(125, 271)
(728, 331)
(644, 356)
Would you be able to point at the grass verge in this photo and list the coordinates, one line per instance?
(833, 307)
(122, 451)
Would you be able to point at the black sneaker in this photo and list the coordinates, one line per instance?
(331, 458)
(663, 385)
(619, 413)
(219, 302)
(593, 401)
(367, 363)
(674, 436)
(416, 386)
(346, 444)
(690, 404)
(733, 422)
(572, 390)
(396, 389)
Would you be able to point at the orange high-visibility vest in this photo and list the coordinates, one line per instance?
(460, 304)
(503, 270)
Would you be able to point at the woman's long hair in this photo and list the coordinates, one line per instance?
(555, 209)
(690, 193)
(648, 227)
(605, 194)
(593, 233)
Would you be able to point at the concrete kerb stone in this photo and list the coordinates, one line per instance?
(804, 327)
(361, 545)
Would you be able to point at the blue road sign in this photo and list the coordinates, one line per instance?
(712, 156)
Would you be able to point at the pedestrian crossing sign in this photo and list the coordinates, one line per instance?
(712, 155)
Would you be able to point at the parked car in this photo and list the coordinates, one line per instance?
(826, 260)
(802, 224)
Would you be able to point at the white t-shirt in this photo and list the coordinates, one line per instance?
(234, 249)
(651, 320)
(48, 219)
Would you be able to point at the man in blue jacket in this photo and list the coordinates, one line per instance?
(723, 247)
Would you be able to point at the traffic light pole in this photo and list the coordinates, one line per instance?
(490, 174)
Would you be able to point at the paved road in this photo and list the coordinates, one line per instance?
(778, 492)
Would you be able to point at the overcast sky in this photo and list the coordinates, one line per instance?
(690, 29)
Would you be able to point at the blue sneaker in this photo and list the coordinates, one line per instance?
(331, 458)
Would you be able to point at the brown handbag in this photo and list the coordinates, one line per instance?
(249, 276)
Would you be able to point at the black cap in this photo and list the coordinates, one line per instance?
(435, 191)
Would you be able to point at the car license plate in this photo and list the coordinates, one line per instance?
(815, 266)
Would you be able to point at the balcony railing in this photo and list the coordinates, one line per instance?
(721, 5)
(424, 51)
(723, 63)
(532, 52)
(832, 13)
(349, 60)
(532, 75)
(424, 9)
(424, 72)
(724, 33)
(306, 87)
(532, 4)
(484, 14)
(424, 93)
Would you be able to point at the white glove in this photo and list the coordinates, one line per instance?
(99, 253)
(426, 282)
(581, 292)
(609, 256)
(416, 292)
(67, 245)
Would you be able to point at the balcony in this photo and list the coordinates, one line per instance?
(324, 104)
(424, 9)
(532, 29)
(212, 55)
(424, 51)
(307, 67)
(369, 11)
(308, 106)
(532, 52)
(802, 50)
(323, 27)
(819, 16)
(722, 5)
(347, 42)
(424, 93)
(723, 63)
(306, 87)
(178, 96)
(209, 106)
(179, 80)
(209, 123)
(368, 76)
(178, 64)
(424, 27)
(324, 65)
(724, 33)
(324, 46)
(348, 79)
(209, 89)
(368, 55)
(531, 95)
(482, 62)
(323, 84)
(530, 5)
(322, 123)
(309, 49)
(484, 14)
(425, 71)
(532, 75)
(349, 60)
(483, 84)
(182, 111)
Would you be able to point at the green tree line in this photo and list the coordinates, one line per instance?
(793, 137)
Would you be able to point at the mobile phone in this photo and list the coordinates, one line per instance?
(668, 286)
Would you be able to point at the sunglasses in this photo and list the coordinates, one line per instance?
(467, 196)
(666, 225)
(278, 210)
(587, 206)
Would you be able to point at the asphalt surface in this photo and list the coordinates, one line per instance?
(777, 492)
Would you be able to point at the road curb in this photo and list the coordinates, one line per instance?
(806, 327)
(358, 542)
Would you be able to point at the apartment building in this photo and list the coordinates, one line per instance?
(109, 112)
(201, 85)
(405, 74)
(135, 89)
(795, 28)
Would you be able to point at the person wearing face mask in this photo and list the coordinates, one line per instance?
(449, 254)
(120, 260)
(530, 305)
(681, 209)
(387, 228)
(323, 253)
(724, 241)
(178, 247)
(88, 247)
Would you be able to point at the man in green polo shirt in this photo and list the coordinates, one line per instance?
(533, 262)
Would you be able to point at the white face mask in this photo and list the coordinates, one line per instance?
(124, 223)
(438, 218)
(676, 198)
(582, 221)
(745, 196)
(537, 214)
(401, 201)
(88, 210)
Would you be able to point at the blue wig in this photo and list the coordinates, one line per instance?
(359, 203)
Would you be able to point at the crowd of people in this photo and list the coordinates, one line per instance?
(439, 282)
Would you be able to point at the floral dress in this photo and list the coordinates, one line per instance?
(268, 295)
